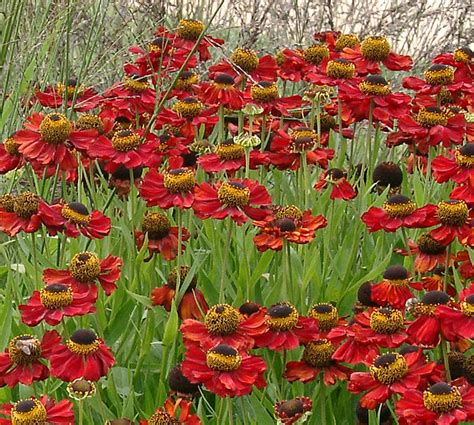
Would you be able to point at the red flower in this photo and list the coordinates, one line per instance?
(224, 324)
(373, 93)
(432, 126)
(224, 370)
(457, 323)
(436, 281)
(173, 412)
(427, 326)
(83, 356)
(230, 156)
(127, 148)
(43, 410)
(454, 219)
(54, 302)
(394, 289)
(265, 94)
(191, 306)
(373, 51)
(286, 328)
(438, 78)
(165, 147)
(338, 71)
(74, 219)
(162, 237)
(459, 167)
(77, 96)
(49, 140)
(20, 213)
(317, 358)
(291, 411)
(84, 270)
(465, 266)
(233, 198)
(10, 157)
(461, 60)
(440, 404)
(287, 224)
(245, 62)
(22, 361)
(391, 373)
(174, 188)
(221, 92)
(387, 327)
(429, 253)
(398, 211)
(341, 188)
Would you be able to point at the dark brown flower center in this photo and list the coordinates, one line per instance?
(465, 156)
(285, 224)
(83, 342)
(76, 213)
(56, 296)
(11, 146)
(427, 245)
(186, 80)
(388, 174)
(224, 80)
(399, 206)
(288, 211)
(291, 408)
(90, 121)
(179, 383)
(282, 317)
(7, 202)
(223, 358)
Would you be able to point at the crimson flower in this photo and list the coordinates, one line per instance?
(224, 324)
(22, 361)
(391, 373)
(84, 355)
(286, 328)
(287, 224)
(74, 219)
(193, 304)
(38, 411)
(341, 188)
(464, 264)
(20, 213)
(428, 253)
(338, 71)
(162, 237)
(221, 92)
(232, 199)
(441, 403)
(86, 98)
(230, 156)
(317, 358)
(265, 94)
(394, 289)
(293, 411)
(398, 211)
(372, 52)
(458, 167)
(84, 270)
(453, 216)
(54, 302)
(173, 412)
(165, 147)
(245, 62)
(50, 139)
(174, 188)
(427, 326)
(462, 61)
(224, 370)
(10, 157)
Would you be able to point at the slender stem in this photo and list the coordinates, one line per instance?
(81, 412)
(446, 269)
(230, 412)
(35, 260)
(322, 401)
(179, 223)
(221, 124)
(225, 261)
(444, 352)
(247, 162)
(369, 132)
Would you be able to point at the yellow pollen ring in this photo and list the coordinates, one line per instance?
(245, 59)
(11, 146)
(367, 87)
(383, 323)
(318, 353)
(85, 267)
(264, 94)
(187, 109)
(55, 128)
(222, 362)
(439, 77)
(346, 40)
(375, 49)
(26, 204)
(464, 160)
(24, 349)
(28, 412)
(336, 69)
(454, 213)
(442, 403)
(222, 319)
(156, 225)
(421, 309)
(56, 300)
(460, 56)
(316, 54)
(390, 372)
(88, 121)
(227, 151)
(124, 141)
(289, 211)
(136, 86)
(233, 195)
(190, 29)
(279, 324)
(430, 119)
(61, 88)
(83, 349)
(399, 209)
(183, 181)
(74, 216)
(467, 309)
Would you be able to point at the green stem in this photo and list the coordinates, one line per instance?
(35, 259)
(221, 124)
(81, 412)
(247, 162)
(444, 352)
(225, 261)
(369, 133)
(230, 412)
(322, 401)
